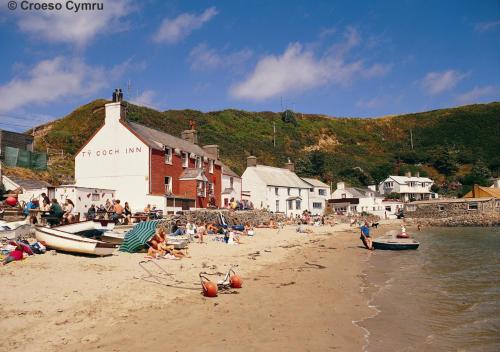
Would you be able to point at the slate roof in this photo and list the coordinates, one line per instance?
(402, 180)
(275, 176)
(315, 182)
(227, 171)
(28, 184)
(157, 139)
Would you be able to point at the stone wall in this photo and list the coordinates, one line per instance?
(476, 219)
(439, 210)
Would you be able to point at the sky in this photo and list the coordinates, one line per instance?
(338, 58)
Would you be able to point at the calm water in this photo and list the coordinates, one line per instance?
(445, 296)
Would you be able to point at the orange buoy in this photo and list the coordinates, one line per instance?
(235, 281)
(11, 201)
(209, 289)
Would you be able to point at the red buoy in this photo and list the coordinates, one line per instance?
(209, 289)
(235, 281)
(11, 201)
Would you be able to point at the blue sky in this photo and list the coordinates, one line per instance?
(339, 58)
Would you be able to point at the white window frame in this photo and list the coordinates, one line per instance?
(322, 192)
(475, 206)
(317, 205)
(231, 182)
(277, 205)
(211, 166)
(168, 155)
(168, 185)
(198, 163)
(201, 190)
(185, 159)
(96, 197)
(276, 191)
(298, 204)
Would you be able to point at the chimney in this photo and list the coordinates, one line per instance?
(475, 191)
(496, 183)
(290, 166)
(115, 111)
(251, 161)
(340, 185)
(190, 136)
(417, 174)
(408, 174)
(212, 150)
(372, 188)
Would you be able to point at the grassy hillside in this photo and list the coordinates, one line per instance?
(447, 143)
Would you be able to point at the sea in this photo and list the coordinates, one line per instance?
(444, 296)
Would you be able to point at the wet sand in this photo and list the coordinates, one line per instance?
(301, 293)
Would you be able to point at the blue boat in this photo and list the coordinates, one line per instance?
(393, 243)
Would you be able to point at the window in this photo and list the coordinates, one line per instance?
(440, 207)
(297, 204)
(198, 163)
(353, 208)
(343, 195)
(388, 208)
(277, 205)
(276, 191)
(300, 192)
(473, 206)
(168, 155)
(411, 207)
(231, 182)
(311, 190)
(185, 159)
(322, 192)
(317, 205)
(211, 191)
(388, 184)
(168, 184)
(200, 189)
(290, 205)
(211, 167)
(96, 197)
(288, 191)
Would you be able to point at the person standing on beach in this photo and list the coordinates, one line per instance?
(365, 236)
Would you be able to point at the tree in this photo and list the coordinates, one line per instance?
(380, 172)
(479, 174)
(288, 116)
(445, 160)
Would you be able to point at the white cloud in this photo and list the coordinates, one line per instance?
(55, 79)
(438, 82)
(79, 28)
(204, 58)
(300, 69)
(477, 94)
(486, 26)
(146, 98)
(175, 29)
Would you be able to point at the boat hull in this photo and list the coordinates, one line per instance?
(13, 230)
(395, 246)
(67, 242)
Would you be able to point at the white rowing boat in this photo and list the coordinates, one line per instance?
(82, 227)
(68, 242)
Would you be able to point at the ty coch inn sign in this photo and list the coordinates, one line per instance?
(112, 152)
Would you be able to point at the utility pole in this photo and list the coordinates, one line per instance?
(411, 139)
(274, 134)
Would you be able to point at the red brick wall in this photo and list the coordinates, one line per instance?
(159, 170)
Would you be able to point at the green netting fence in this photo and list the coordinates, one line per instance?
(25, 158)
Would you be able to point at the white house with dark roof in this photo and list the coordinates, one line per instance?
(319, 193)
(356, 200)
(408, 186)
(275, 189)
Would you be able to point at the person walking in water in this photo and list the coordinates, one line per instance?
(365, 236)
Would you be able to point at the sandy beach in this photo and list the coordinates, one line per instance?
(301, 292)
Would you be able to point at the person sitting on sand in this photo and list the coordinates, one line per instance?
(248, 230)
(17, 253)
(201, 231)
(211, 228)
(272, 224)
(365, 236)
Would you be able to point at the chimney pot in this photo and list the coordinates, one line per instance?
(340, 185)
(408, 174)
(251, 161)
(417, 174)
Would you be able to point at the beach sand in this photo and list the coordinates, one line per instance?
(301, 292)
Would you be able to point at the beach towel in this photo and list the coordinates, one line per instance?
(136, 238)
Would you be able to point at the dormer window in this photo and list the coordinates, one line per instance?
(185, 159)
(198, 162)
(211, 166)
(168, 155)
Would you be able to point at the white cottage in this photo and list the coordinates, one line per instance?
(409, 187)
(29, 189)
(275, 189)
(319, 193)
(83, 197)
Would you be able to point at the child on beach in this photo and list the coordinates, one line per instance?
(201, 231)
(18, 253)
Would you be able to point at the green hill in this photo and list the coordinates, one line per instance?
(447, 143)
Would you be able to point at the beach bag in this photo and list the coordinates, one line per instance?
(38, 248)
